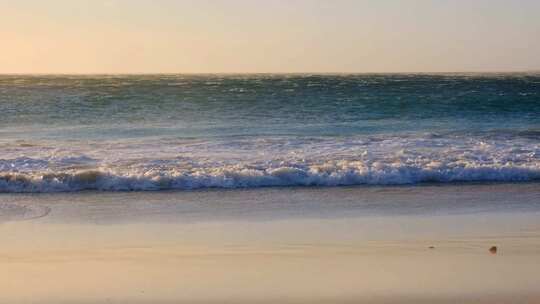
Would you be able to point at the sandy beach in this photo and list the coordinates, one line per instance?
(420, 244)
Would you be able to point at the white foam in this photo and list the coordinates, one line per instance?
(261, 162)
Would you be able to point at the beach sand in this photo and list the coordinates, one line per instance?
(274, 245)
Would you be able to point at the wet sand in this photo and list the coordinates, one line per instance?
(306, 245)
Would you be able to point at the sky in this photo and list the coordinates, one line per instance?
(270, 36)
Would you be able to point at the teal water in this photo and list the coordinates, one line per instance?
(153, 132)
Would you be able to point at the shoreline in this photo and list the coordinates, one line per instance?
(272, 202)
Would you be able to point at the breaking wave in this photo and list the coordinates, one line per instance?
(268, 161)
(330, 174)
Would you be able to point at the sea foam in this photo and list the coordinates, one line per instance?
(239, 177)
(276, 161)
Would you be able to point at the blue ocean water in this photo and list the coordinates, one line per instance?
(160, 132)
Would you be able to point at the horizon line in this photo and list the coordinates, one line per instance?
(270, 73)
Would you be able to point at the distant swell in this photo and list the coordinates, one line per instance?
(345, 173)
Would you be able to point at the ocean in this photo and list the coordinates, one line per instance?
(66, 133)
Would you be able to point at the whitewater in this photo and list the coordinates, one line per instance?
(248, 162)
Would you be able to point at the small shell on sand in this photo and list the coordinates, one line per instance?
(431, 247)
(493, 250)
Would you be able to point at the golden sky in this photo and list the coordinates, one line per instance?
(256, 36)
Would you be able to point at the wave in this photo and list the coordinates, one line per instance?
(337, 174)
(249, 162)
